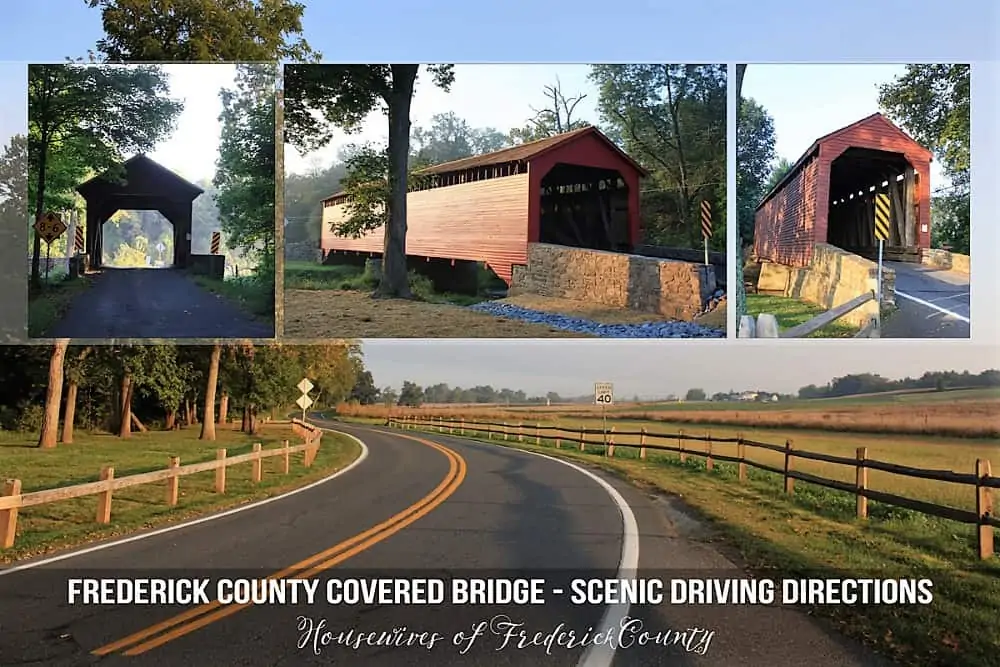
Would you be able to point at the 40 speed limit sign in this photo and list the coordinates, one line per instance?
(604, 393)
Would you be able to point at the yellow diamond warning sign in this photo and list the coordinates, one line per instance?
(50, 227)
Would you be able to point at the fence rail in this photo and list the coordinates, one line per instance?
(981, 479)
(766, 325)
(12, 499)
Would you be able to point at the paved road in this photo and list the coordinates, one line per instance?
(487, 511)
(933, 303)
(154, 303)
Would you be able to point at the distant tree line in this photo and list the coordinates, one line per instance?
(870, 383)
(411, 394)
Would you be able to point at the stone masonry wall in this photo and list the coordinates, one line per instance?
(944, 259)
(675, 289)
(302, 251)
(833, 277)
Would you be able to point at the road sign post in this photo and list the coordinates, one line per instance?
(49, 226)
(216, 239)
(604, 395)
(706, 225)
(304, 386)
(882, 218)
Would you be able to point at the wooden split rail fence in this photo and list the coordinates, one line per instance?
(12, 499)
(981, 479)
(766, 325)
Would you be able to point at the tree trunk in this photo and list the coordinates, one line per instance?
(253, 420)
(741, 292)
(170, 420)
(223, 408)
(53, 396)
(245, 426)
(36, 246)
(70, 415)
(125, 427)
(208, 414)
(394, 281)
(188, 416)
(138, 424)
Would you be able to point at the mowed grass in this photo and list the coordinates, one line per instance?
(67, 523)
(792, 312)
(253, 296)
(49, 303)
(814, 533)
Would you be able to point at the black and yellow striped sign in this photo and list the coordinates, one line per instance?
(216, 239)
(78, 241)
(706, 219)
(882, 217)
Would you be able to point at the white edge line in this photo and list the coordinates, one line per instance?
(195, 522)
(934, 306)
(602, 655)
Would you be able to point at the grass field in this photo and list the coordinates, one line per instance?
(62, 524)
(792, 312)
(48, 303)
(814, 533)
(967, 413)
(252, 295)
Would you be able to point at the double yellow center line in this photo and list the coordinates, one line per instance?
(193, 619)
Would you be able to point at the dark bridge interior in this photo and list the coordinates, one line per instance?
(855, 178)
(585, 207)
(140, 185)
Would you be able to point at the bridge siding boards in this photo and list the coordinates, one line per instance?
(794, 216)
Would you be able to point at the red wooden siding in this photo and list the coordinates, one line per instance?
(795, 216)
(482, 221)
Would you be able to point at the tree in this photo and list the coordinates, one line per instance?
(90, 117)
(672, 118)
(695, 395)
(754, 155)
(740, 286)
(555, 118)
(53, 396)
(344, 95)
(365, 392)
(211, 383)
(245, 170)
(411, 395)
(778, 172)
(75, 374)
(452, 138)
(202, 30)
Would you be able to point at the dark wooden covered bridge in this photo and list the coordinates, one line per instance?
(575, 189)
(829, 196)
(143, 185)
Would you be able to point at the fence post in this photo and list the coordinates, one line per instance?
(789, 482)
(558, 438)
(709, 461)
(505, 431)
(741, 454)
(861, 482)
(520, 432)
(8, 517)
(538, 433)
(489, 431)
(680, 446)
(984, 508)
(461, 427)
(642, 443)
(104, 498)
(286, 456)
(174, 483)
(258, 463)
(583, 442)
(220, 472)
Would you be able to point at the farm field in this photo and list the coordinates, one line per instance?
(44, 528)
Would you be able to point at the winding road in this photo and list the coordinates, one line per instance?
(153, 303)
(414, 505)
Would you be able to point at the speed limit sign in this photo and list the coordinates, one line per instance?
(604, 393)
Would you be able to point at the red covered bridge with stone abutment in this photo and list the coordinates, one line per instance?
(571, 200)
(814, 232)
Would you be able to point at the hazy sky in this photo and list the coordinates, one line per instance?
(659, 368)
(808, 101)
(497, 96)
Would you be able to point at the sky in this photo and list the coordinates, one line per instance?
(808, 101)
(497, 96)
(652, 369)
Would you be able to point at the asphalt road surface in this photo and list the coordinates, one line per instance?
(933, 303)
(154, 303)
(412, 507)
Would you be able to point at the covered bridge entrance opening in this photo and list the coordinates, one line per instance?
(140, 185)
(856, 177)
(585, 207)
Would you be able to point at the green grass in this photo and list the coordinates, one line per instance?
(251, 294)
(814, 533)
(792, 312)
(49, 303)
(68, 523)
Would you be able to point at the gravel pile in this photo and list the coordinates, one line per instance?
(581, 326)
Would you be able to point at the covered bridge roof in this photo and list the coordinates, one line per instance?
(521, 153)
(141, 170)
(876, 119)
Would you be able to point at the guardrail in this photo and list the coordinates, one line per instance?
(12, 499)
(981, 478)
(766, 325)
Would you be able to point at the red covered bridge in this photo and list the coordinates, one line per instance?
(828, 196)
(574, 189)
